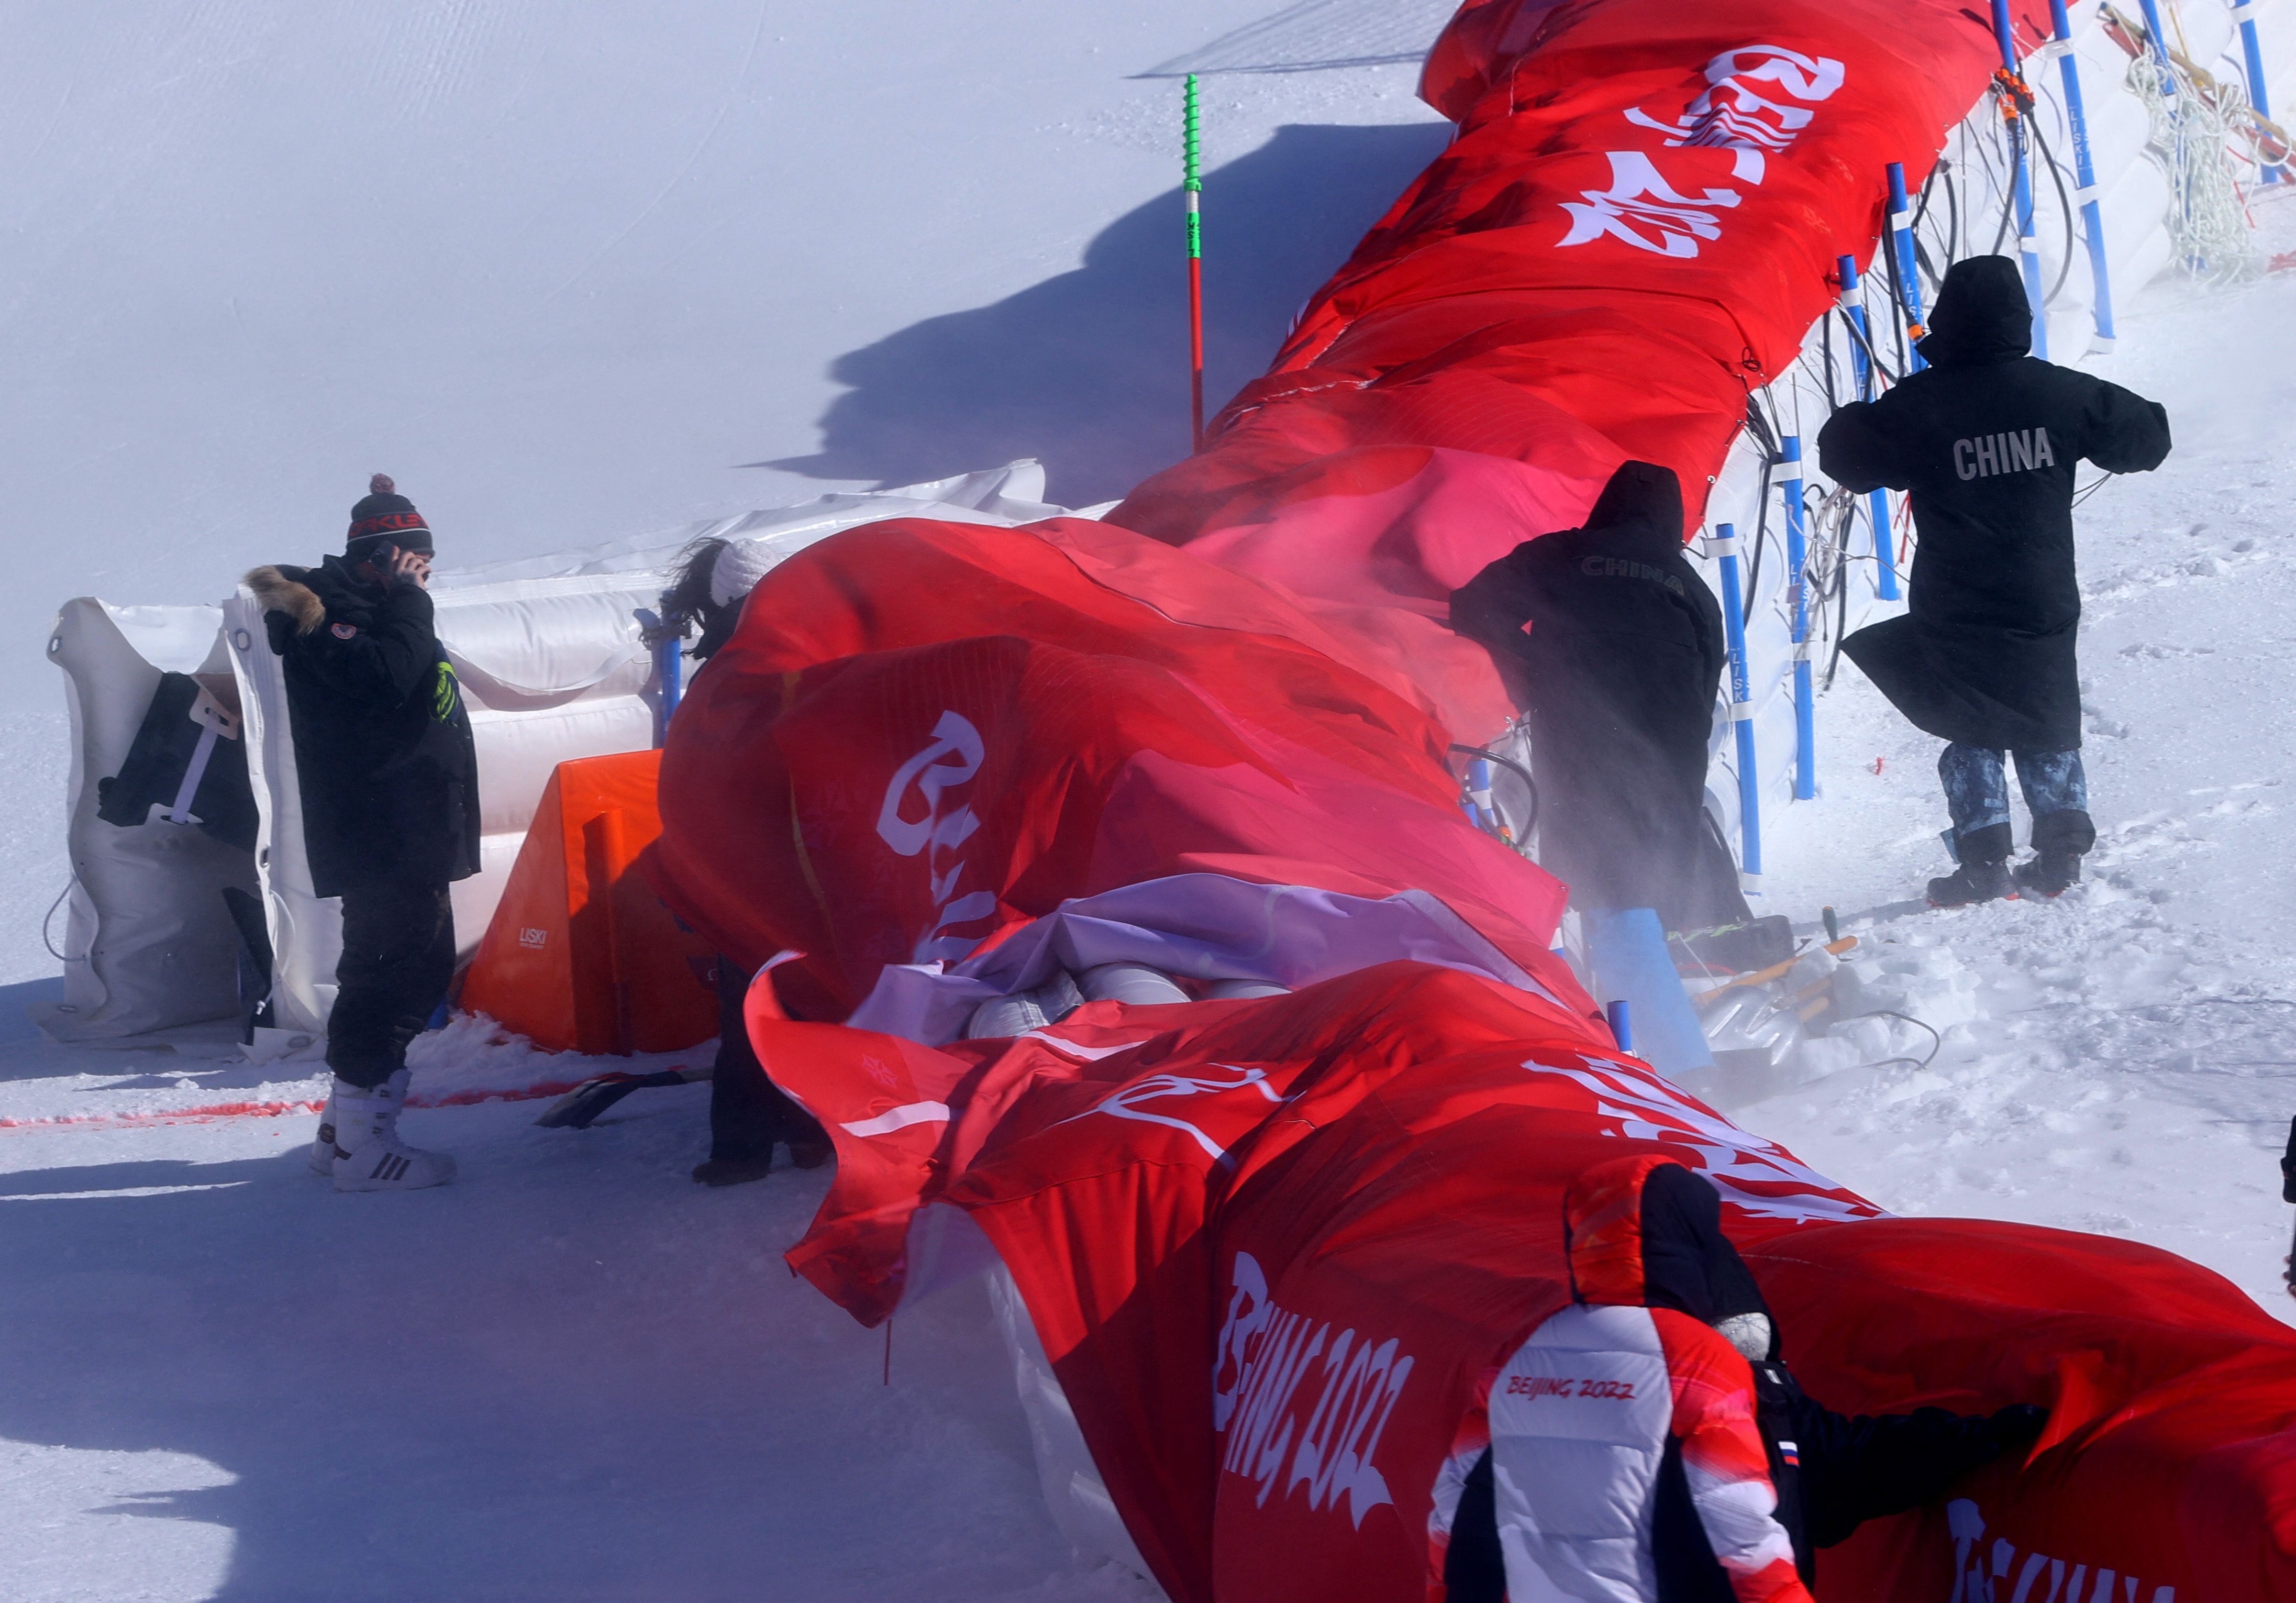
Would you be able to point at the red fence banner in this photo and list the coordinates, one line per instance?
(1634, 227)
(925, 734)
(1276, 1251)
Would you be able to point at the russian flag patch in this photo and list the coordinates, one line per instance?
(1790, 1452)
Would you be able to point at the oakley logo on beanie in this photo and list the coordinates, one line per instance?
(385, 517)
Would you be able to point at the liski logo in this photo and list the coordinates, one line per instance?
(1999, 1573)
(951, 758)
(1261, 1396)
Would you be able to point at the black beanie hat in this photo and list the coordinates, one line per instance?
(385, 518)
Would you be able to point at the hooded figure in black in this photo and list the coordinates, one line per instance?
(748, 1113)
(1618, 649)
(1830, 1473)
(1987, 439)
(388, 776)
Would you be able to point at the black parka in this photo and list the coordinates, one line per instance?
(1987, 439)
(386, 766)
(1620, 651)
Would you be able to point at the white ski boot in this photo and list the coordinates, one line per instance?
(369, 1155)
(323, 1144)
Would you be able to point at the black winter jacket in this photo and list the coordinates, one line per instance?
(1987, 439)
(388, 773)
(1621, 665)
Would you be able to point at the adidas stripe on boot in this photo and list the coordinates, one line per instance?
(369, 1155)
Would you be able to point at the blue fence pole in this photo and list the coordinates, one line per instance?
(1797, 559)
(1877, 504)
(1742, 710)
(2029, 242)
(2152, 26)
(2243, 12)
(1909, 263)
(2085, 176)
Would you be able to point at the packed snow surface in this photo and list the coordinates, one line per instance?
(564, 268)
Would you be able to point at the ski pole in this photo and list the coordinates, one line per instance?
(1853, 307)
(2029, 242)
(1797, 559)
(1192, 186)
(2259, 99)
(2085, 172)
(1908, 260)
(1742, 712)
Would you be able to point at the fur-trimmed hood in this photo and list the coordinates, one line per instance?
(282, 589)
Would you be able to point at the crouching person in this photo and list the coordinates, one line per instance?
(388, 776)
(1648, 1443)
(1618, 650)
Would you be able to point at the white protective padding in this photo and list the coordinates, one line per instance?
(553, 667)
(147, 944)
(1073, 1489)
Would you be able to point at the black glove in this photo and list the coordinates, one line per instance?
(2016, 1427)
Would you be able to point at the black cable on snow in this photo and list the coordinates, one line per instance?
(1520, 772)
(2064, 209)
(1866, 344)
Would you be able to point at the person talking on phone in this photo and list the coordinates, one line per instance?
(389, 779)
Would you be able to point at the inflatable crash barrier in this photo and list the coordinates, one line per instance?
(580, 955)
(553, 667)
(1273, 1251)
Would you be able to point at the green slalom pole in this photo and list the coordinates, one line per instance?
(1191, 188)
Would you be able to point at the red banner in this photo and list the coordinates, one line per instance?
(1636, 225)
(1276, 1251)
(924, 735)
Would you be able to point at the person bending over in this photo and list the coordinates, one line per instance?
(748, 1112)
(1619, 652)
(1987, 439)
(389, 779)
(1681, 1462)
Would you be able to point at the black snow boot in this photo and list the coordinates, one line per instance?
(2051, 873)
(1984, 873)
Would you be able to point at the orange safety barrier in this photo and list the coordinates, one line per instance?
(581, 956)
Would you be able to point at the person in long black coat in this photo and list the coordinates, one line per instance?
(748, 1113)
(1987, 439)
(1620, 651)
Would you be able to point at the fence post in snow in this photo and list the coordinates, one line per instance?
(2029, 242)
(1797, 559)
(2260, 98)
(1861, 366)
(1741, 710)
(1909, 269)
(1192, 186)
(2085, 175)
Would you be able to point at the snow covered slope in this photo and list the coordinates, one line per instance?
(2123, 1059)
(572, 269)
